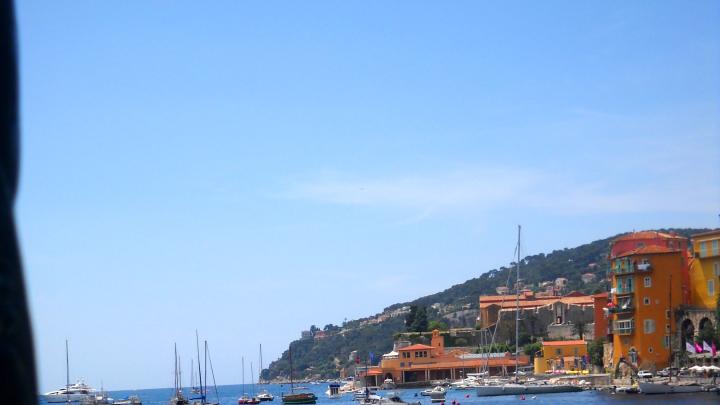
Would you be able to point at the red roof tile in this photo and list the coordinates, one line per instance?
(415, 347)
(564, 343)
(645, 250)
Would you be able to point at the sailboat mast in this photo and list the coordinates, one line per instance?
(197, 345)
(243, 373)
(291, 368)
(517, 306)
(175, 370)
(670, 340)
(261, 366)
(67, 373)
(252, 380)
(206, 381)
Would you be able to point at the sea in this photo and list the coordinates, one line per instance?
(229, 394)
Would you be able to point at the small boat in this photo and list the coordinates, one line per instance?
(300, 397)
(392, 399)
(631, 389)
(520, 389)
(264, 395)
(430, 391)
(178, 398)
(388, 384)
(333, 391)
(131, 400)
(245, 399)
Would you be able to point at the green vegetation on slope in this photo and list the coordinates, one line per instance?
(323, 358)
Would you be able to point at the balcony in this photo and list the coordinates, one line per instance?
(624, 327)
(623, 310)
(624, 292)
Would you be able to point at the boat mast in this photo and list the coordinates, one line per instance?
(291, 370)
(252, 380)
(175, 369)
(261, 366)
(197, 345)
(243, 374)
(517, 306)
(67, 373)
(206, 380)
(670, 340)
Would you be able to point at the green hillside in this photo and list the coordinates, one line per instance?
(323, 358)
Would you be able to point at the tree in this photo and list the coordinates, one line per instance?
(532, 348)
(420, 323)
(579, 328)
(314, 329)
(410, 318)
(439, 325)
(596, 351)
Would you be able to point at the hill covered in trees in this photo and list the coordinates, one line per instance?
(325, 354)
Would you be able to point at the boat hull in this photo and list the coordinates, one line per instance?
(54, 399)
(659, 388)
(518, 389)
(299, 399)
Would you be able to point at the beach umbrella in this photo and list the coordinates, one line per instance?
(697, 368)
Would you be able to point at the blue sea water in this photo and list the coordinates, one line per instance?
(229, 394)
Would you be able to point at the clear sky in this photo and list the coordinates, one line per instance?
(249, 169)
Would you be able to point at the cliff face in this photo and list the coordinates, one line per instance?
(456, 307)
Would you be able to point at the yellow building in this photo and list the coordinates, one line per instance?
(564, 355)
(705, 270)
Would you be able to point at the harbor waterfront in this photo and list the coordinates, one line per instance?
(229, 394)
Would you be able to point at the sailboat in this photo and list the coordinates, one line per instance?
(202, 399)
(70, 393)
(245, 399)
(300, 397)
(264, 395)
(517, 387)
(178, 397)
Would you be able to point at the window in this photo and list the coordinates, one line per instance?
(629, 284)
(666, 341)
(667, 328)
(646, 300)
(667, 314)
(558, 352)
(575, 351)
(648, 326)
(716, 269)
(703, 249)
(711, 287)
(406, 355)
(715, 247)
(402, 364)
(647, 282)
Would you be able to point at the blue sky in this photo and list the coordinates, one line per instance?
(251, 168)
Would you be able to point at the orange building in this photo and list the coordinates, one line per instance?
(647, 285)
(563, 355)
(422, 363)
(492, 305)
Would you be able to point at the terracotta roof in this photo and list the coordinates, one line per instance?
(601, 295)
(564, 343)
(523, 360)
(647, 235)
(415, 347)
(373, 372)
(645, 250)
(496, 298)
(541, 302)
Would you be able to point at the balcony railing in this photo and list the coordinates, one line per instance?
(626, 327)
(644, 266)
(624, 291)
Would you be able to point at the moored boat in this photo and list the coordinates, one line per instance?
(70, 393)
(299, 398)
(519, 389)
(669, 387)
(264, 395)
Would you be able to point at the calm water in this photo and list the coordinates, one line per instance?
(229, 394)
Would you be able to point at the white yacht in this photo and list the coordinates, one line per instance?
(666, 387)
(75, 393)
